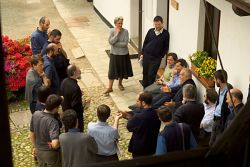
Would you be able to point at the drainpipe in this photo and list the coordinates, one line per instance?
(140, 29)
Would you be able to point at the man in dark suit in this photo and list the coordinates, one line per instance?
(154, 48)
(173, 97)
(191, 112)
(144, 124)
(72, 94)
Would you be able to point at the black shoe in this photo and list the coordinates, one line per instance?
(141, 82)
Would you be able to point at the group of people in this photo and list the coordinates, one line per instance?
(171, 99)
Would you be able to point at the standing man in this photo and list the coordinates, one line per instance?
(221, 109)
(35, 78)
(208, 120)
(44, 133)
(154, 48)
(60, 60)
(40, 36)
(50, 69)
(72, 94)
(144, 124)
(78, 149)
(236, 102)
(191, 112)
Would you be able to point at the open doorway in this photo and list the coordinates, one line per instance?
(134, 16)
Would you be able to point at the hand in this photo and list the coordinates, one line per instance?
(118, 115)
(42, 74)
(169, 104)
(141, 57)
(117, 30)
(50, 145)
(165, 89)
(34, 152)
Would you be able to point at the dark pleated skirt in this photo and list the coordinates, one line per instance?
(120, 67)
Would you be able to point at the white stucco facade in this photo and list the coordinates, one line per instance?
(186, 28)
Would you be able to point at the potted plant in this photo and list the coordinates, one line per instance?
(203, 67)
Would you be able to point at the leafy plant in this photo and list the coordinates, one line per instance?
(198, 57)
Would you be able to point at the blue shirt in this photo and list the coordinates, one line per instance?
(38, 39)
(105, 137)
(175, 82)
(50, 72)
(217, 111)
(161, 147)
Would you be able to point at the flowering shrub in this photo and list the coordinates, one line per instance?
(207, 68)
(16, 58)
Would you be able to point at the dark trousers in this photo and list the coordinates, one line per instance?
(150, 68)
(80, 121)
(216, 131)
(48, 158)
(33, 107)
(103, 158)
(160, 99)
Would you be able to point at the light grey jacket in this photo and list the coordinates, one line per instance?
(119, 42)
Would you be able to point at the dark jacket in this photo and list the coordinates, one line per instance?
(72, 95)
(231, 116)
(178, 97)
(145, 126)
(190, 113)
(174, 139)
(155, 46)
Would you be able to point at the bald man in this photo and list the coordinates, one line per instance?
(236, 101)
(39, 37)
(49, 68)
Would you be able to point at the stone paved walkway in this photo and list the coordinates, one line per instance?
(92, 33)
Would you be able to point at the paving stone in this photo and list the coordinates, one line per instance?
(77, 52)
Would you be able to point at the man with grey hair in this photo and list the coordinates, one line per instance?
(73, 96)
(40, 36)
(191, 112)
(173, 97)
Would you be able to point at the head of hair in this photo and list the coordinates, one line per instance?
(158, 18)
(212, 95)
(42, 93)
(50, 47)
(117, 19)
(52, 102)
(42, 20)
(187, 73)
(173, 55)
(164, 113)
(182, 62)
(71, 70)
(236, 93)
(34, 60)
(69, 119)
(221, 75)
(189, 91)
(103, 112)
(146, 97)
(55, 33)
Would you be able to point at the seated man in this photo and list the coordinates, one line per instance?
(191, 112)
(78, 149)
(105, 136)
(173, 97)
(155, 88)
(174, 136)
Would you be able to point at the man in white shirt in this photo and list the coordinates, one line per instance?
(208, 119)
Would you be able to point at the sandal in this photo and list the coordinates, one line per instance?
(108, 91)
(121, 87)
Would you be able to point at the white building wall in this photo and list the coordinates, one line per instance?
(112, 8)
(234, 45)
(186, 27)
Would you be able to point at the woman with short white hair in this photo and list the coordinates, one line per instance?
(119, 65)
